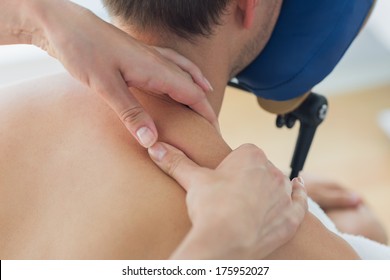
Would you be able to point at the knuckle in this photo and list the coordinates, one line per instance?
(288, 228)
(249, 146)
(162, 84)
(98, 87)
(278, 176)
(259, 155)
(254, 151)
(285, 232)
(132, 115)
(173, 163)
(292, 223)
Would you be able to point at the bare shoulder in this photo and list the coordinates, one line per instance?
(41, 104)
(84, 188)
(75, 185)
(314, 241)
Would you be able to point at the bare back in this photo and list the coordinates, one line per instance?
(75, 185)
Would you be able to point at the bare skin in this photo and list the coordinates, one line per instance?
(107, 67)
(87, 190)
(245, 214)
(77, 191)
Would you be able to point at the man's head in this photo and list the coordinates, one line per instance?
(185, 18)
(241, 26)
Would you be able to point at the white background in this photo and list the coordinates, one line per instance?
(103, 270)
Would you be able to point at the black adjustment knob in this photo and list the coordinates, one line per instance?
(280, 121)
(290, 121)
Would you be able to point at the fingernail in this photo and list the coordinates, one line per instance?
(157, 152)
(300, 180)
(208, 84)
(146, 137)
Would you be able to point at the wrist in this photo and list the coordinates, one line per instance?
(10, 21)
(54, 22)
(18, 22)
(36, 19)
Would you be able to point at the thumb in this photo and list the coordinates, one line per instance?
(176, 164)
(129, 110)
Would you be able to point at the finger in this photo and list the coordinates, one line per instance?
(176, 164)
(129, 110)
(204, 109)
(299, 200)
(164, 76)
(188, 66)
(181, 89)
(187, 93)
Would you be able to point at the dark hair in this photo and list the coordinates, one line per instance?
(185, 18)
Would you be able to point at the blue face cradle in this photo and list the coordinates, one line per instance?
(309, 40)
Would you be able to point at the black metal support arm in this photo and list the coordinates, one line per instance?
(310, 114)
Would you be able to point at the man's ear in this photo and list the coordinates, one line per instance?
(247, 9)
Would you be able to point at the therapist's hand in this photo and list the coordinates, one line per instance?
(106, 59)
(244, 209)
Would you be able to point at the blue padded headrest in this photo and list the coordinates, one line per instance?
(310, 38)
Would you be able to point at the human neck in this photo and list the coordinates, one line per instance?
(212, 58)
(210, 55)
